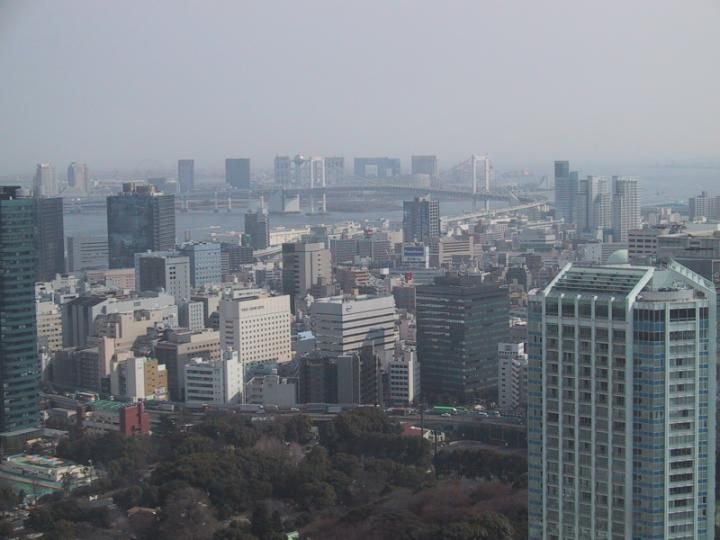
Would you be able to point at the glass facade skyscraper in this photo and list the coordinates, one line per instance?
(621, 404)
(19, 363)
(421, 220)
(237, 172)
(50, 237)
(139, 219)
(460, 322)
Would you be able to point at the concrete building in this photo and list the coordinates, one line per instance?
(192, 315)
(304, 265)
(178, 348)
(118, 279)
(205, 260)
(625, 207)
(163, 271)
(334, 170)
(87, 253)
(403, 373)
(214, 382)
(50, 238)
(49, 326)
(699, 207)
(593, 213)
(78, 177)
(512, 377)
(424, 165)
(345, 324)
(237, 172)
(127, 379)
(257, 327)
(271, 390)
(421, 220)
(19, 365)
(460, 322)
(45, 181)
(621, 412)
(257, 226)
(103, 416)
(186, 175)
(451, 251)
(139, 219)
(282, 169)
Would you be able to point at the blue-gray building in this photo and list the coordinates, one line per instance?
(139, 219)
(19, 363)
(237, 172)
(376, 167)
(621, 404)
(205, 263)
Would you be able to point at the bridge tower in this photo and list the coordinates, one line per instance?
(481, 172)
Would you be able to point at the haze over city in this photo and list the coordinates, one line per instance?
(135, 85)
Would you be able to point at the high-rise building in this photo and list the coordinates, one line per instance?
(305, 265)
(345, 324)
(138, 220)
(283, 170)
(20, 367)
(699, 206)
(424, 165)
(460, 322)
(257, 327)
(625, 207)
(205, 263)
(186, 175)
(234, 257)
(50, 237)
(593, 213)
(257, 225)
(566, 187)
(376, 167)
(166, 271)
(87, 253)
(78, 177)
(45, 181)
(421, 220)
(512, 377)
(621, 404)
(334, 170)
(237, 172)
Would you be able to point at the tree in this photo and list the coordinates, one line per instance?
(261, 522)
(487, 526)
(40, 519)
(63, 530)
(6, 529)
(187, 515)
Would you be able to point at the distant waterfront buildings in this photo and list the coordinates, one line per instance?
(237, 172)
(186, 175)
(424, 165)
(566, 187)
(376, 167)
(50, 237)
(45, 181)
(78, 177)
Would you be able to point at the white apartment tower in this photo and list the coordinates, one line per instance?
(621, 412)
(45, 181)
(593, 212)
(625, 207)
(214, 382)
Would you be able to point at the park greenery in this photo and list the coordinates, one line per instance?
(229, 478)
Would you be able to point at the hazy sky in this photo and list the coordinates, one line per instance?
(143, 83)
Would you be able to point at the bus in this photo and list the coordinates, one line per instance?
(443, 409)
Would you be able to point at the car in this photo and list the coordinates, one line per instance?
(446, 414)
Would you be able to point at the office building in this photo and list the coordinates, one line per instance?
(625, 207)
(45, 181)
(257, 226)
(49, 326)
(233, 257)
(421, 220)
(376, 167)
(345, 324)
(163, 271)
(87, 253)
(105, 416)
(424, 165)
(334, 170)
(304, 265)
(237, 172)
(214, 382)
(512, 377)
(566, 187)
(593, 211)
(127, 379)
(460, 322)
(257, 327)
(139, 219)
(20, 373)
(621, 404)
(178, 348)
(50, 238)
(192, 315)
(699, 207)
(186, 175)
(78, 177)
(271, 389)
(205, 263)
(451, 251)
